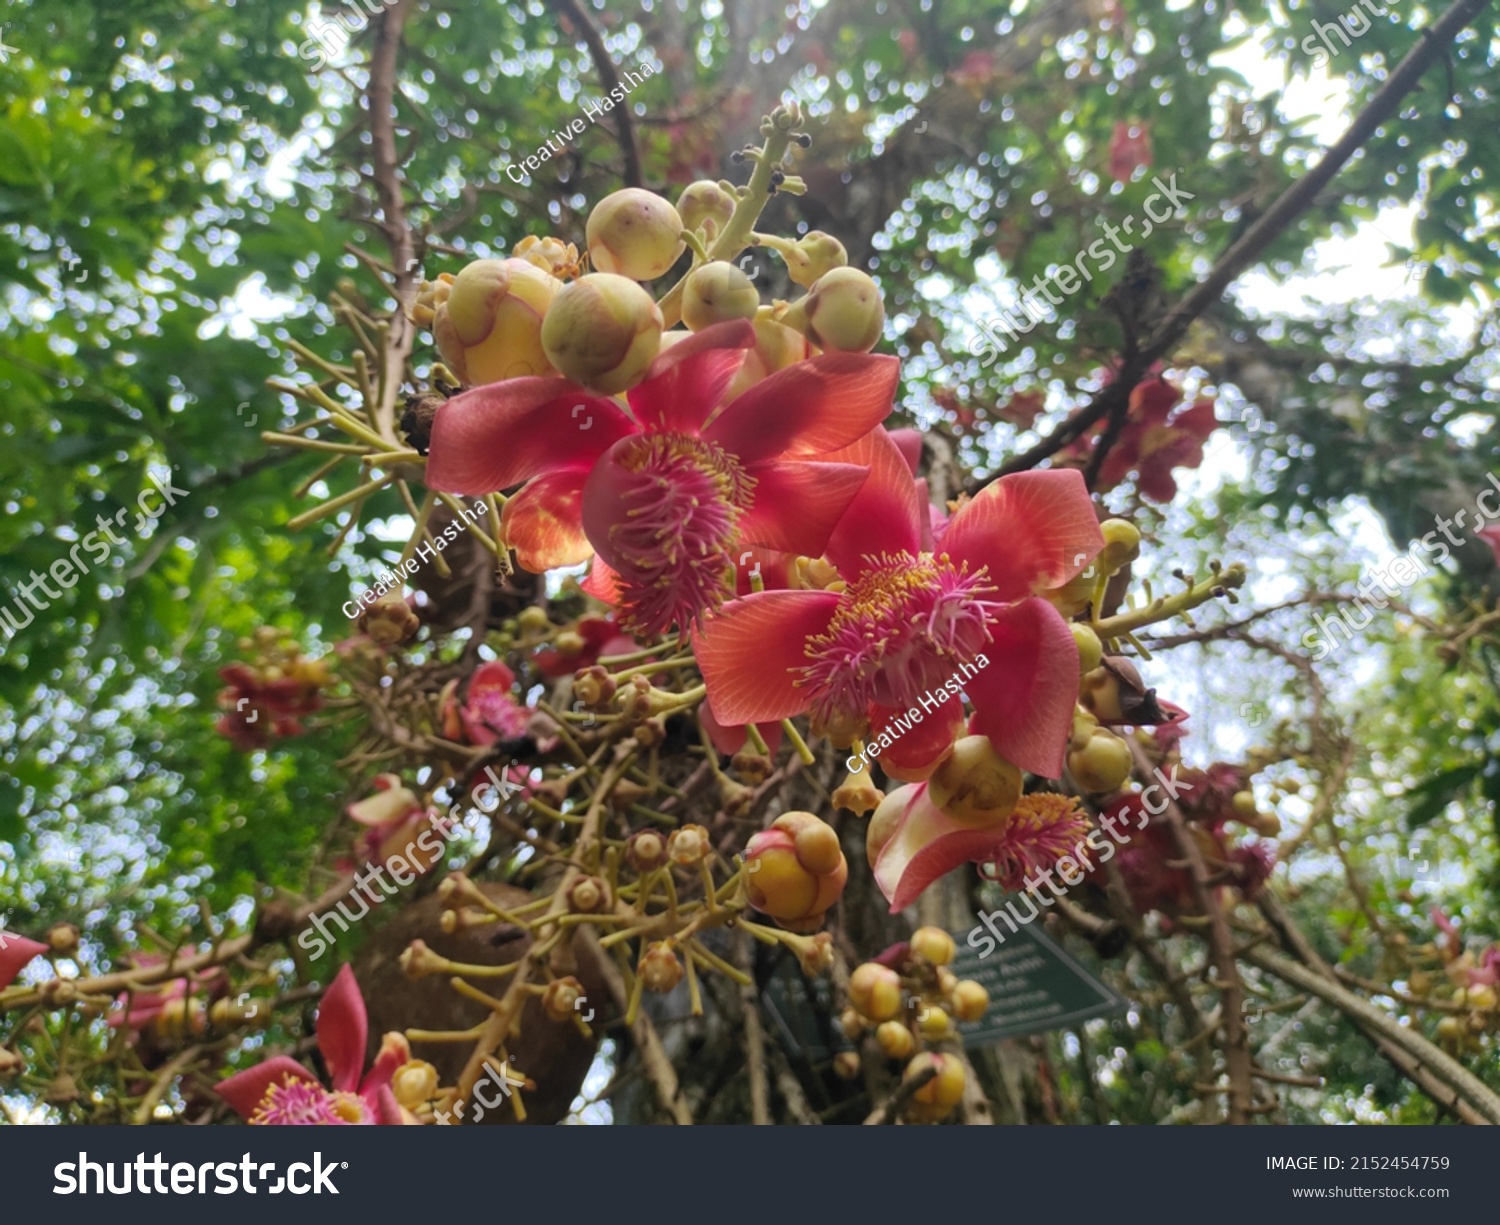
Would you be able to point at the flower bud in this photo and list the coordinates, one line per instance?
(946, 981)
(688, 846)
(937, 1098)
(1122, 545)
(602, 332)
(795, 870)
(934, 1023)
(752, 767)
(815, 956)
(844, 312)
(431, 295)
(815, 254)
(895, 1040)
(1243, 805)
(551, 255)
(390, 622)
(1090, 649)
(776, 347)
(1101, 765)
(533, 620)
(634, 233)
(875, 991)
(414, 1083)
(233, 1014)
(62, 939)
(852, 1024)
(646, 850)
(933, 945)
(718, 292)
(706, 206)
(589, 895)
(1267, 825)
(594, 686)
(1084, 727)
(846, 1065)
(841, 729)
(489, 327)
(11, 1064)
(975, 786)
(561, 995)
(569, 644)
(659, 968)
(886, 818)
(970, 1000)
(858, 794)
(419, 961)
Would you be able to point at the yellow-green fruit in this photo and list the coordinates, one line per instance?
(895, 1039)
(844, 312)
(717, 292)
(1122, 544)
(705, 205)
(875, 991)
(970, 1000)
(815, 254)
(933, 945)
(975, 786)
(634, 233)
(1090, 649)
(1101, 765)
(603, 331)
(489, 325)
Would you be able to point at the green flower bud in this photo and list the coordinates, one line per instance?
(705, 205)
(602, 332)
(488, 323)
(634, 233)
(815, 255)
(844, 312)
(716, 293)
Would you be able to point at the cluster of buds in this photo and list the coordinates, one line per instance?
(268, 693)
(910, 998)
(795, 871)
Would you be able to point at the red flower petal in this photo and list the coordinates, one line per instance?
(798, 503)
(687, 381)
(602, 583)
(909, 443)
(1033, 530)
(818, 405)
(730, 740)
(885, 516)
(494, 675)
(15, 953)
(748, 652)
(926, 845)
(543, 523)
(1023, 701)
(244, 1091)
(499, 435)
(342, 1031)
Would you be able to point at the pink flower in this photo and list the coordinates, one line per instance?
(914, 616)
(666, 492)
(280, 1091)
(492, 713)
